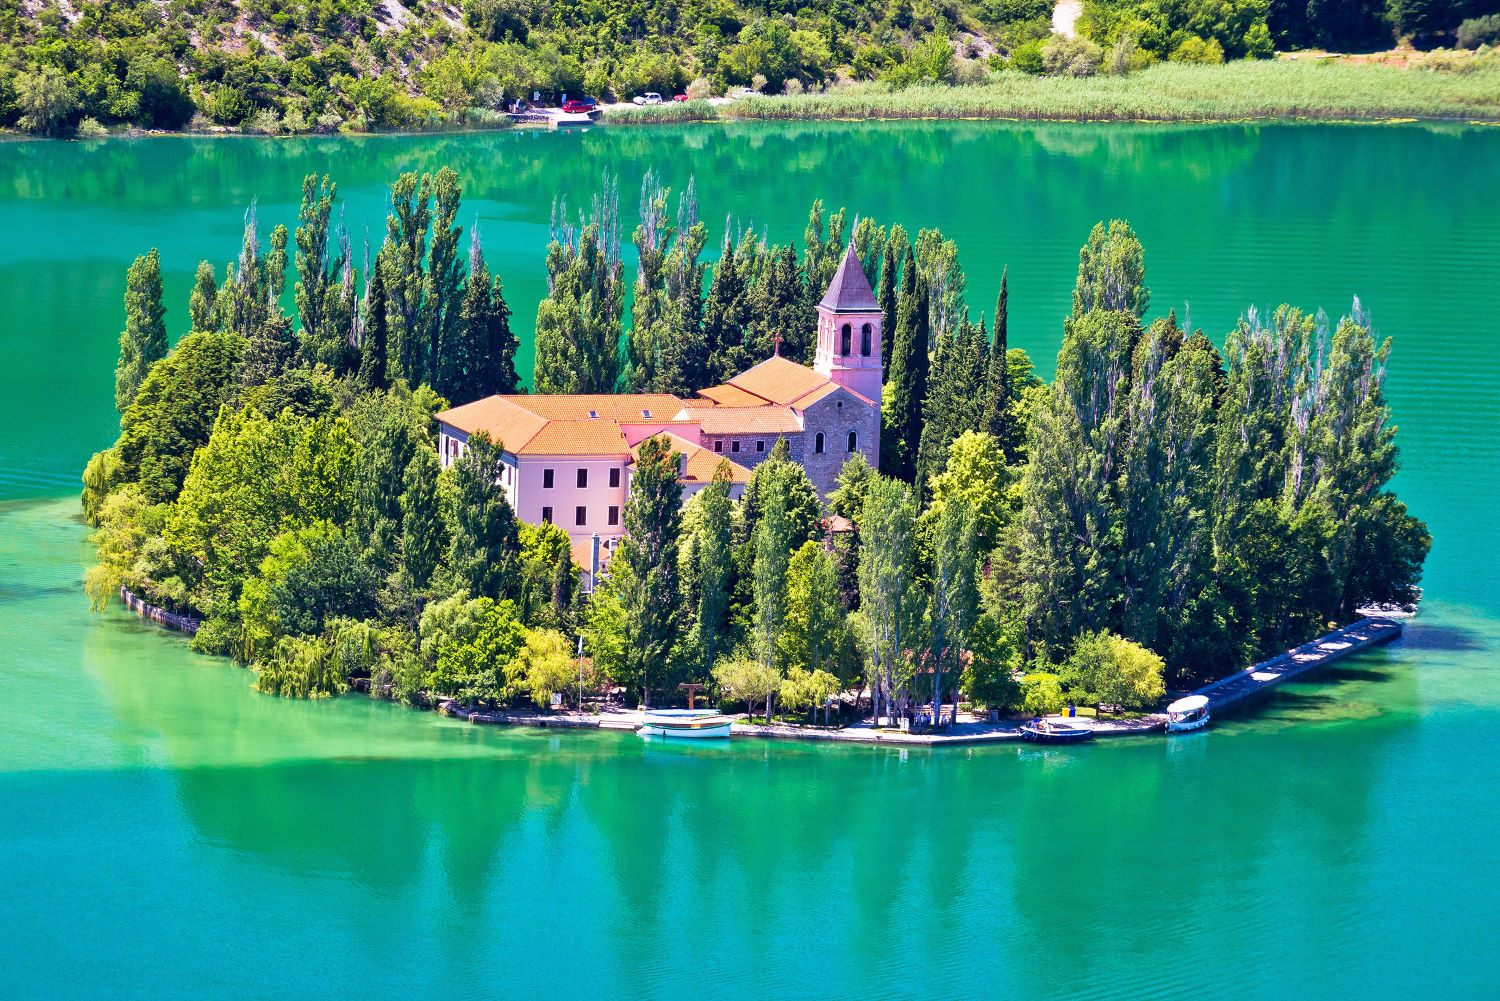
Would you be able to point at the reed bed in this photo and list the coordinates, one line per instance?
(1305, 88)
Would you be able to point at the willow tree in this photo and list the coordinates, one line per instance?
(578, 323)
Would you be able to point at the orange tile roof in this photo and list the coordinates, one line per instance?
(584, 437)
(700, 463)
(508, 424)
(561, 425)
(732, 396)
(748, 420)
(625, 407)
(779, 380)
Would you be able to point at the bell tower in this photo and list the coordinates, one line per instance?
(849, 331)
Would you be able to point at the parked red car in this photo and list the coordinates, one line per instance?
(579, 105)
(679, 97)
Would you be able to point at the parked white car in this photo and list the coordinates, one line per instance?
(744, 92)
(650, 97)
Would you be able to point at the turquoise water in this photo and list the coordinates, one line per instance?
(167, 832)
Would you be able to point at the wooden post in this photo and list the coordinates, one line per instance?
(692, 688)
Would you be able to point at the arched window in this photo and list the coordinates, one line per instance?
(853, 441)
(845, 338)
(864, 340)
(818, 443)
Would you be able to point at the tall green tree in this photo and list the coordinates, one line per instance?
(812, 634)
(909, 370)
(648, 558)
(1111, 272)
(443, 283)
(400, 260)
(484, 550)
(423, 532)
(374, 362)
(201, 315)
(578, 323)
(319, 288)
(714, 560)
(1001, 420)
(887, 598)
(886, 297)
(144, 339)
(953, 596)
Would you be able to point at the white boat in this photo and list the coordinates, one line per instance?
(1190, 713)
(685, 724)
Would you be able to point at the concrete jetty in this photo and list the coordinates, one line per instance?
(1233, 692)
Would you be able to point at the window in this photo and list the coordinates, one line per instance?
(583, 478)
(864, 340)
(614, 515)
(593, 415)
(646, 414)
(614, 477)
(853, 441)
(547, 515)
(760, 445)
(844, 338)
(818, 443)
(546, 479)
(734, 446)
(718, 444)
(580, 515)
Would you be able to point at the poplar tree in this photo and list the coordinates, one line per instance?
(647, 557)
(953, 596)
(886, 595)
(822, 253)
(869, 241)
(650, 332)
(318, 278)
(201, 314)
(486, 324)
(484, 548)
(773, 546)
(1111, 272)
(684, 353)
(443, 283)
(578, 323)
(813, 629)
(400, 260)
(144, 339)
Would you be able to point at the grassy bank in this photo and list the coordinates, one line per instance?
(1328, 89)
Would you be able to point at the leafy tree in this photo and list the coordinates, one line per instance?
(902, 435)
(546, 663)
(484, 549)
(886, 596)
(953, 597)
(748, 680)
(976, 477)
(648, 557)
(578, 323)
(319, 291)
(479, 666)
(712, 555)
(144, 339)
(443, 287)
(173, 412)
(1109, 669)
(813, 627)
(423, 532)
(374, 363)
(44, 99)
(549, 577)
(1111, 272)
(309, 576)
(400, 260)
(201, 315)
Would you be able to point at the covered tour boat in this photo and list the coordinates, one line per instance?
(693, 724)
(1190, 713)
(1048, 731)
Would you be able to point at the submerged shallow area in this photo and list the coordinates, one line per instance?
(165, 831)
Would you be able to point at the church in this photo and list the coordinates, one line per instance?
(568, 459)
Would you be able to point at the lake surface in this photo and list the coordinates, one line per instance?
(167, 832)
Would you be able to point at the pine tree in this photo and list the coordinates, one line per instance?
(647, 558)
(144, 339)
(201, 314)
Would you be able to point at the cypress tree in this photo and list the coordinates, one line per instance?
(999, 420)
(201, 313)
(887, 300)
(144, 339)
(909, 370)
(373, 363)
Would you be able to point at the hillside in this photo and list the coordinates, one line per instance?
(320, 65)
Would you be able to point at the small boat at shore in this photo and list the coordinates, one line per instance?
(1046, 731)
(690, 724)
(1190, 713)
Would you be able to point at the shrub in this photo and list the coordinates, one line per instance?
(265, 122)
(1062, 56)
(700, 89)
(90, 128)
(1195, 50)
(1027, 58)
(1477, 31)
(792, 87)
(1041, 693)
